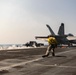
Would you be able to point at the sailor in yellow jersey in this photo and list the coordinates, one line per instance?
(52, 45)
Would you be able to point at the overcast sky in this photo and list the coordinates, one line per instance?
(22, 20)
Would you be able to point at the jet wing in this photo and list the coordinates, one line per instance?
(71, 37)
(44, 38)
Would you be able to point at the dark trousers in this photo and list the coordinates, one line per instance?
(52, 49)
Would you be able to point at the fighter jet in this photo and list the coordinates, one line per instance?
(71, 38)
(61, 37)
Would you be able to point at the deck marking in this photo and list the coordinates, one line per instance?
(25, 62)
(62, 66)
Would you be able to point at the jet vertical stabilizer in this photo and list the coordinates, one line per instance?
(61, 30)
(51, 31)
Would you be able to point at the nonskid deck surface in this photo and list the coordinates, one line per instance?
(30, 62)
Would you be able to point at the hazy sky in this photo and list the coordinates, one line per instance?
(22, 20)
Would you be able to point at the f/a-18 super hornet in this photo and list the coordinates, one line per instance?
(61, 38)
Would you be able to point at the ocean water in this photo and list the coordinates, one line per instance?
(11, 46)
(15, 46)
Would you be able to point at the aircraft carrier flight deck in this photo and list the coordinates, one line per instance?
(30, 62)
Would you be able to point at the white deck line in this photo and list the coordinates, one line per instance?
(62, 66)
(25, 62)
